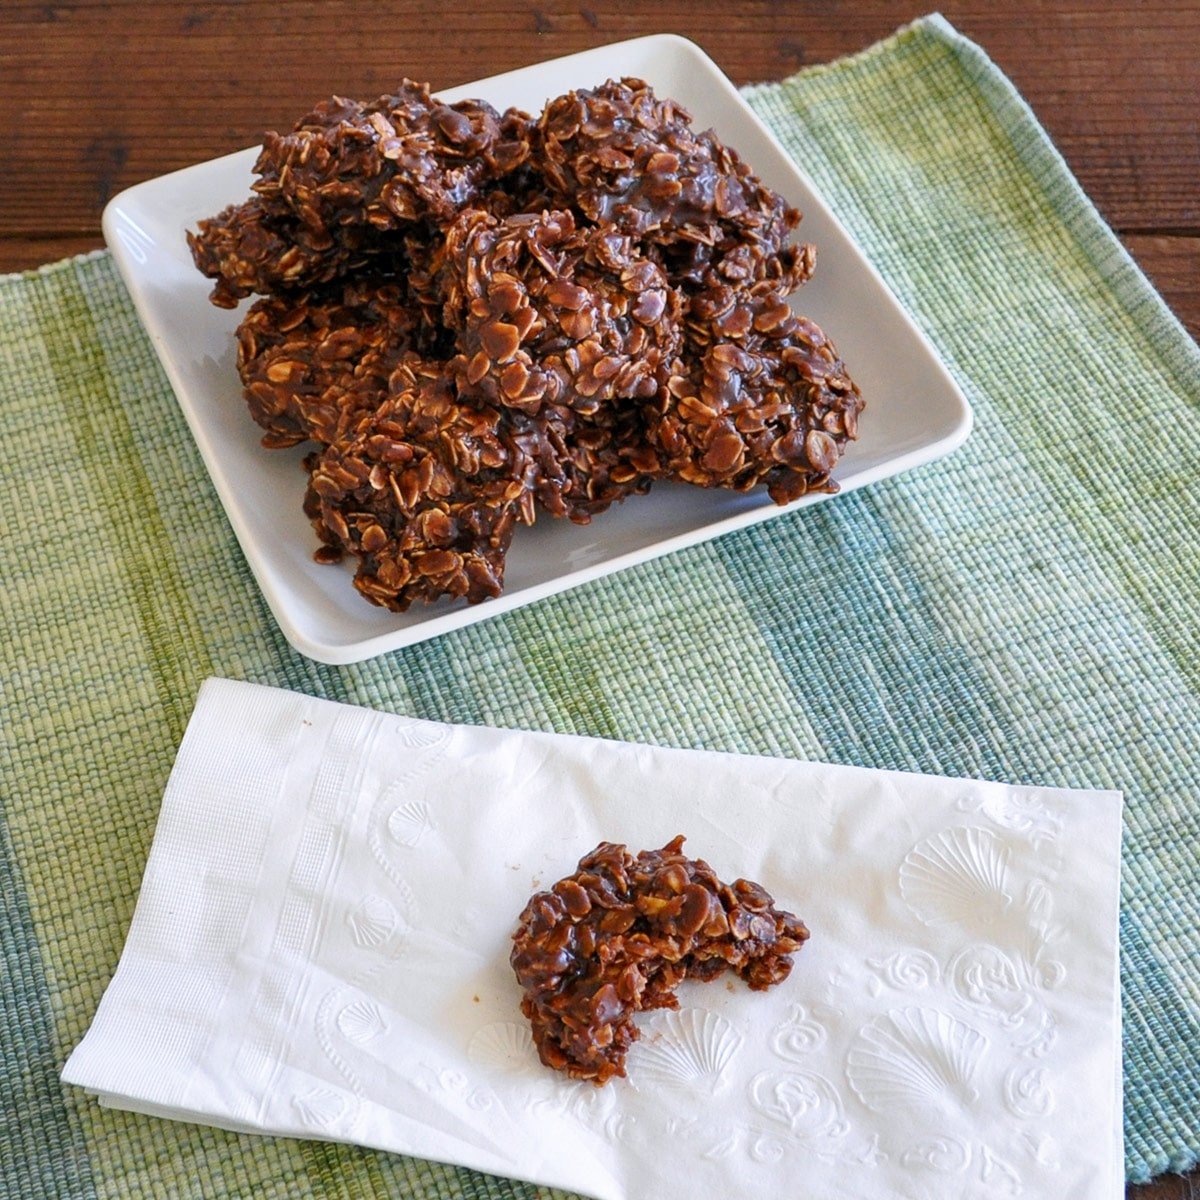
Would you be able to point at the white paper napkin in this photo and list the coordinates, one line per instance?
(321, 944)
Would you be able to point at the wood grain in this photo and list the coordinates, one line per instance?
(179, 81)
(100, 94)
(23, 254)
(104, 94)
(1169, 1187)
(1173, 265)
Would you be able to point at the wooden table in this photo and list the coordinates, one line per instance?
(102, 94)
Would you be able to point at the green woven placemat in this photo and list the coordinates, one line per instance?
(1025, 610)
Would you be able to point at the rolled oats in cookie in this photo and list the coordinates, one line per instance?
(247, 251)
(401, 158)
(593, 461)
(425, 492)
(619, 935)
(549, 312)
(313, 361)
(763, 398)
(625, 156)
(335, 190)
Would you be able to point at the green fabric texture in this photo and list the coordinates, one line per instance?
(1027, 609)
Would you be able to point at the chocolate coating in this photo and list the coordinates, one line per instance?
(425, 491)
(763, 399)
(312, 362)
(618, 937)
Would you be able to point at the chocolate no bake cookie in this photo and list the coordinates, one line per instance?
(619, 936)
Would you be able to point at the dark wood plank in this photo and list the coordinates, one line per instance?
(1110, 85)
(1169, 1187)
(22, 254)
(101, 95)
(1173, 265)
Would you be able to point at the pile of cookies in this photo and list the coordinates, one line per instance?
(478, 317)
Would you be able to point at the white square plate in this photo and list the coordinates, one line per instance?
(915, 412)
